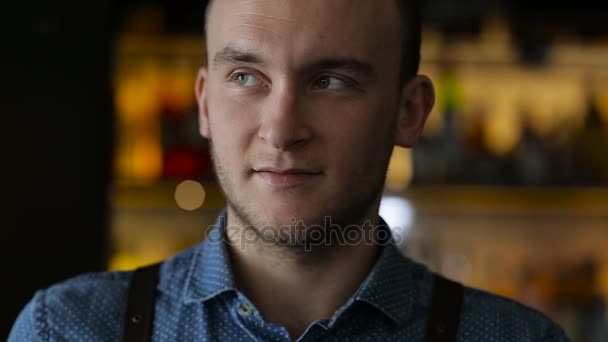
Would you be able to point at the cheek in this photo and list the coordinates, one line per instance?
(360, 137)
(231, 124)
(358, 124)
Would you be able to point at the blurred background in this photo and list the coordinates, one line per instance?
(507, 191)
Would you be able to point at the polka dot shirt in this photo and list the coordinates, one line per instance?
(198, 300)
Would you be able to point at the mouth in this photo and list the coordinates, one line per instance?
(286, 178)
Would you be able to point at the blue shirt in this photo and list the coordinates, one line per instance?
(198, 300)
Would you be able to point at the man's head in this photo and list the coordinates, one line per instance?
(303, 102)
(410, 33)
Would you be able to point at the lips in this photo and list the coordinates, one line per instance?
(286, 178)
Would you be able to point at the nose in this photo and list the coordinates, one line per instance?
(284, 124)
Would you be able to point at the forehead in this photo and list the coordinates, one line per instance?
(291, 30)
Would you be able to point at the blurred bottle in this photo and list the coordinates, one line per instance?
(436, 156)
(186, 162)
(593, 147)
(185, 153)
(482, 167)
(451, 98)
(530, 158)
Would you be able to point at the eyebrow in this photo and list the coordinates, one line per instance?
(351, 65)
(230, 55)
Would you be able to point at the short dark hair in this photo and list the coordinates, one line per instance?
(411, 36)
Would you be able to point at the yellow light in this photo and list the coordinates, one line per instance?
(502, 129)
(400, 169)
(190, 195)
(137, 91)
(177, 88)
(123, 262)
(146, 160)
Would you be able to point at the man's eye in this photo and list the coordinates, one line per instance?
(329, 82)
(247, 80)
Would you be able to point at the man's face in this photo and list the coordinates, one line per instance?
(300, 102)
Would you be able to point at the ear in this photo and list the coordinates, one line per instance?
(415, 105)
(200, 89)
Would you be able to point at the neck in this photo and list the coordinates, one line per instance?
(294, 288)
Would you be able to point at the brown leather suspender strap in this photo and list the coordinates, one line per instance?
(445, 313)
(442, 325)
(139, 317)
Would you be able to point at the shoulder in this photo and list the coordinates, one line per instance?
(489, 316)
(90, 306)
(486, 316)
(79, 308)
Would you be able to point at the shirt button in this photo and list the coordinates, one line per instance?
(245, 310)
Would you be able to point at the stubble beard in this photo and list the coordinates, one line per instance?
(352, 210)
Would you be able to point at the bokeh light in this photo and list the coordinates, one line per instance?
(190, 195)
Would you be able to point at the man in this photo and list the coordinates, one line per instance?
(302, 102)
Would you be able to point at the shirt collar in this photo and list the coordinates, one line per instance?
(389, 287)
(210, 272)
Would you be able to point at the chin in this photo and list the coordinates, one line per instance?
(291, 214)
